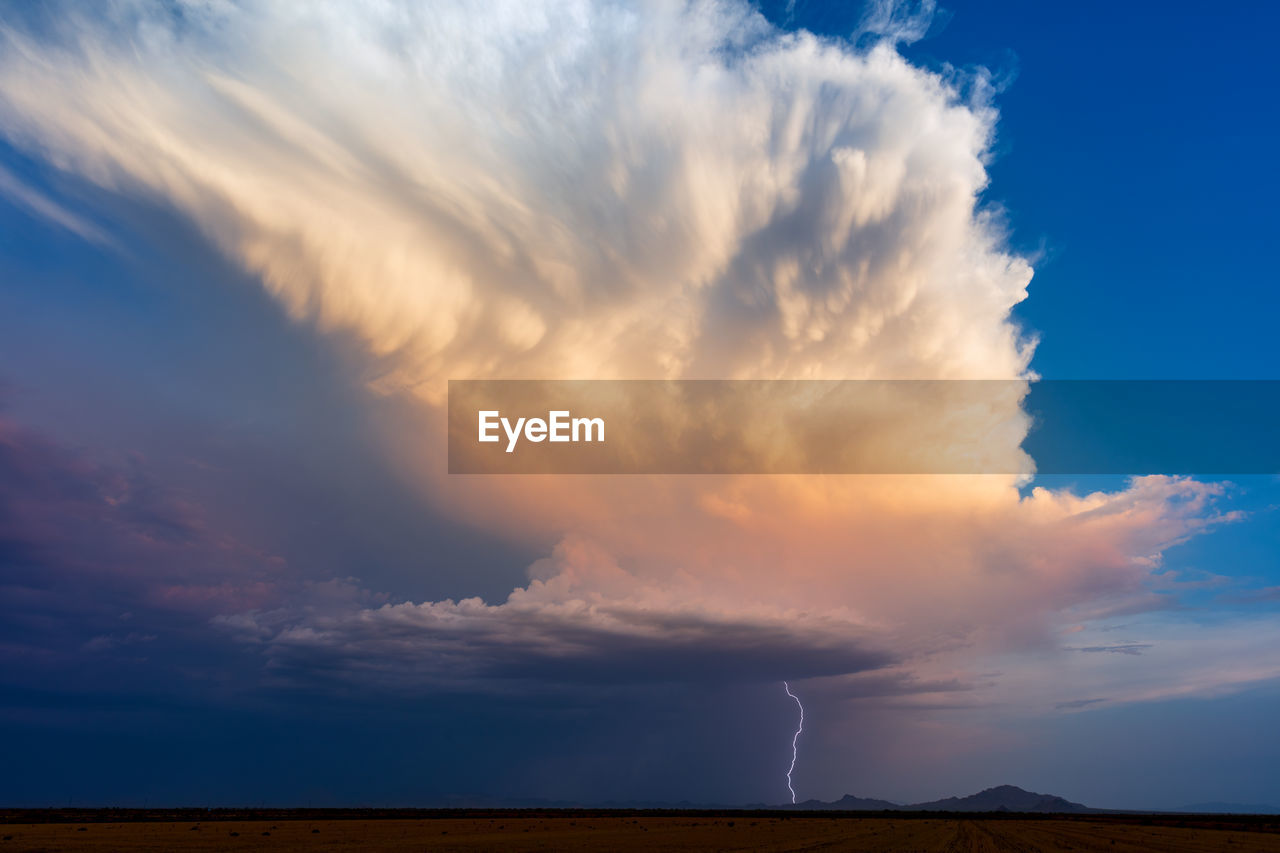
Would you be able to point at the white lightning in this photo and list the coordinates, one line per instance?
(794, 739)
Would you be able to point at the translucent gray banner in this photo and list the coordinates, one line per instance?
(1073, 427)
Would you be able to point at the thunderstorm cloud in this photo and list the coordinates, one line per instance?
(577, 190)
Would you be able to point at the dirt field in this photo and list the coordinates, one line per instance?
(723, 832)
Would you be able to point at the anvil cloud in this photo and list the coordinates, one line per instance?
(575, 190)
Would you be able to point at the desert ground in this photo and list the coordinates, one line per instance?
(646, 831)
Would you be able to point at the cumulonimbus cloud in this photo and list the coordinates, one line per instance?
(555, 189)
(665, 190)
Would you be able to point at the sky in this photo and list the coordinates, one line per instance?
(243, 247)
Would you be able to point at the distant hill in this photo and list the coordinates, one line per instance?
(1003, 798)
(1229, 808)
(848, 803)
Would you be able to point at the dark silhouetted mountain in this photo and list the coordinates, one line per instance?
(1229, 808)
(848, 803)
(1004, 798)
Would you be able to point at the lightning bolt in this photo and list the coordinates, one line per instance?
(794, 739)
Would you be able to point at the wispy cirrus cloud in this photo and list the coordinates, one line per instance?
(22, 194)
(1114, 649)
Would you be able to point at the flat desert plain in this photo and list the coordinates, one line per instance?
(647, 832)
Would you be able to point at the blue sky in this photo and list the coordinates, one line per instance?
(1134, 152)
(214, 476)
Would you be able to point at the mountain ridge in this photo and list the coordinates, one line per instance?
(1001, 798)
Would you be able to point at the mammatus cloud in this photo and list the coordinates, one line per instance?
(578, 190)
